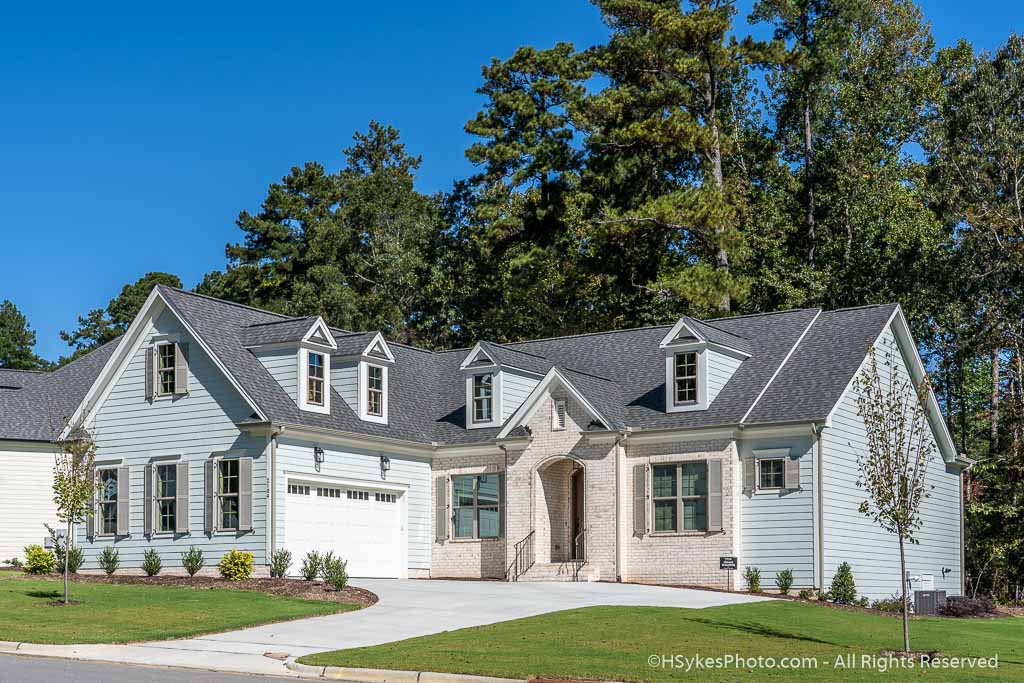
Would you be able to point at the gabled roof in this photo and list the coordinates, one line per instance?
(690, 329)
(309, 328)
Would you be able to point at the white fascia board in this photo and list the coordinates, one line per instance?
(377, 444)
(669, 339)
(529, 406)
(320, 326)
(378, 339)
(775, 374)
(476, 352)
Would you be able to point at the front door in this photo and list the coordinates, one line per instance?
(576, 488)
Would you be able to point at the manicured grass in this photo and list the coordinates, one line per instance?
(615, 643)
(118, 613)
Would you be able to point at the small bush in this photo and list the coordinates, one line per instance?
(110, 560)
(280, 560)
(335, 572)
(151, 563)
(237, 565)
(192, 560)
(75, 559)
(784, 581)
(961, 607)
(843, 590)
(752, 576)
(311, 566)
(14, 562)
(806, 593)
(889, 604)
(39, 560)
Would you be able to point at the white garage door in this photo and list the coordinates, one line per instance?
(360, 525)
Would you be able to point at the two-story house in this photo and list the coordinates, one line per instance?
(640, 455)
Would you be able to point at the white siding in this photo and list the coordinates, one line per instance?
(777, 528)
(514, 390)
(720, 369)
(852, 537)
(283, 366)
(345, 381)
(132, 431)
(295, 457)
(26, 496)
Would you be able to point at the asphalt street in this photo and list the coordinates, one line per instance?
(21, 669)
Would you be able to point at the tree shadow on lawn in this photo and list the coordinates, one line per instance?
(757, 629)
(47, 595)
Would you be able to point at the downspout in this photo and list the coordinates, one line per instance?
(504, 503)
(819, 495)
(271, 484)
(618, 504)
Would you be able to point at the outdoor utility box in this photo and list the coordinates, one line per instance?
(929, 602)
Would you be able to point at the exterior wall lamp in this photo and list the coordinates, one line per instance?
(318, 457)
(385, 465)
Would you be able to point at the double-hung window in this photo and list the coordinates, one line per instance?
(483, 397)
(375, 390)
(166, 497)
(685, 392)
(476, 501)
(315, 378)
(166, 359)
(108, 501)
(227, 493)
(771, 473)
(680, 494)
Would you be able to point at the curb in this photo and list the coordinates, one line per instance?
(9, 646)
(355, 675)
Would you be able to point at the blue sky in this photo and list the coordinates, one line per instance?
(130, 138)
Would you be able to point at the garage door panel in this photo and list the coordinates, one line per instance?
(356, 524)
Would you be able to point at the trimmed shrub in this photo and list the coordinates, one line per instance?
(151, 563)
(889, 604)
(335, 572)
(110, 560)
(752, 576)
(843, 590)
(806, 593)
(311, 566)
(280, 560)
(192, 560)
(237, 565)
(784, 581)
(39, 560)
(961, 607)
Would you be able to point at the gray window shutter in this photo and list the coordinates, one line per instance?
(441, 509)
(149, 501)
(90, 529)
(639, 500)
(181, 368)
(123, 502)
(210, 504)
(749, 472)
(792, 472)
(714, 495)
(181, 510)
(150, 372)
(245, 494)
(501, 504)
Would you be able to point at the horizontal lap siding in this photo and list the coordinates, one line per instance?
(778, 528)
(345, 380)
(283, 366)
(130, 428)
(853, 537)
(514, 388)
(720, 369)
(296, 458)
(26, 496)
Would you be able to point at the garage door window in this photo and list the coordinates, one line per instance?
(477, 506)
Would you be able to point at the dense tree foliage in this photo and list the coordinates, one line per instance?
(17, 340)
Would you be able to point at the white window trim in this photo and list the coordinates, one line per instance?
(99, 502)
(757, 475)
(157, 464)
(364, 413)
(555, 404)
(158, 395)
(702, 378)
(303, 381)
(496, 407)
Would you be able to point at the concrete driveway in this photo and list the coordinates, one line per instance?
(406, 609)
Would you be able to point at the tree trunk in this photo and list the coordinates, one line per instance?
(993, 417)
(903, 582)
(809, 181)
(67, 560)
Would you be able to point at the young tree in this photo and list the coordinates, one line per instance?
(17, 340)
(74, 485)
(900, 447)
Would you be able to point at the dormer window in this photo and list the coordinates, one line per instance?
(375, 390)
(685, 378)
(315, 379)
(483, 398)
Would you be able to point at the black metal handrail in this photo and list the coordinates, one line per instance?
(523, 559)
(580, 555)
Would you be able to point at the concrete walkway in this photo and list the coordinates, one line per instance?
(406, 609)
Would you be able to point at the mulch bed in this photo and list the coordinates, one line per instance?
(292, 588)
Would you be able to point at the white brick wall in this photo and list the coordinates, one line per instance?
(466, 558)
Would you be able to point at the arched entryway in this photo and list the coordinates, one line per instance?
(559, 509)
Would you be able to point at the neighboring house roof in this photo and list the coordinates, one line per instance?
(621, 373)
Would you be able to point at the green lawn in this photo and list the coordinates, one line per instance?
(615, 643)
(119, 613)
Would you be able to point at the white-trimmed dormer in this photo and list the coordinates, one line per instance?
(314, 368)
(699, 361)
(362, 369)
(495, 388)
(297, 354)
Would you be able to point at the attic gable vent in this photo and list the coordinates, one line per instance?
(558, 415)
